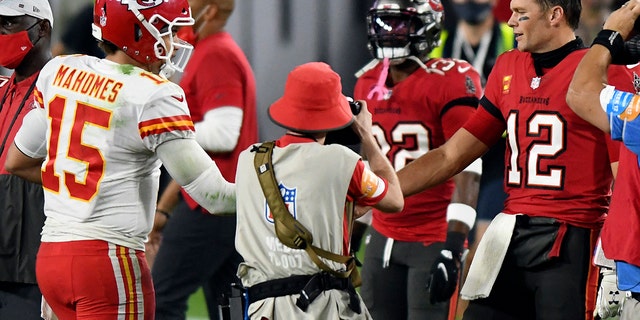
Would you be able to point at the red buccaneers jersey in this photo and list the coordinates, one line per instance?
(556, 165)
(622, 226)
(420, 114)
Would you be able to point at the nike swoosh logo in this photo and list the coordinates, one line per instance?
(442, 268)
(462, 69)
(179, 98)
(631, 66)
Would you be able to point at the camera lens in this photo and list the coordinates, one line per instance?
(354, 105)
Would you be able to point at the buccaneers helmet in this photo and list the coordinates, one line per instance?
(403, 28)
(145, 30)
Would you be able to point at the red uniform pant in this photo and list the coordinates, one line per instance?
(95, 279)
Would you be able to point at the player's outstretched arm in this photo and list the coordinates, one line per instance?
(590, 78)
(190, 166)
(393, 201)
(588, 81)
(440, 164)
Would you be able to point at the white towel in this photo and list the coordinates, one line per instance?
(45, 311)
(600, 259)
(489, 256)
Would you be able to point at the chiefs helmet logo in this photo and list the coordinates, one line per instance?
(142, 4)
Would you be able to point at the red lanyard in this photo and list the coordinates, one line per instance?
(15, 116)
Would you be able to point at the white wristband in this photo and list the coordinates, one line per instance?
(462, 213)
(475, 167)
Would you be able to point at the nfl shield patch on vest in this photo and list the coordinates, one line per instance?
(289, 197)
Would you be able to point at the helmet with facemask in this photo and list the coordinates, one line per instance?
(145, 30)
(403, 28)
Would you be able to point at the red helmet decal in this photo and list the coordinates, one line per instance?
(436, 5)
(142, 4)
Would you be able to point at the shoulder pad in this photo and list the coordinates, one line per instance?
(448, 65)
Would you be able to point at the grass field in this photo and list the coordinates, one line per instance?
(197, 309)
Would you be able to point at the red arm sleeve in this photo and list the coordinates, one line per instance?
(485, 126)
(362, 188)
(454, 118)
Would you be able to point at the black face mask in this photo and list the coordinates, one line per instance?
(472, 12)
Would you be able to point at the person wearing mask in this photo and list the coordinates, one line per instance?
(95, 139)
(197, 249)
(413, 258)
(316, 184)
(478, 37)
(539, 248)
(597, 97)
(25, 36)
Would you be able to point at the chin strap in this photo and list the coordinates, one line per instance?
(370, 65)
(166, 71)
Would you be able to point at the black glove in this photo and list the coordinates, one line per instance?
(444, 276)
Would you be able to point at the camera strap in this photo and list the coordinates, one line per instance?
(290, 231)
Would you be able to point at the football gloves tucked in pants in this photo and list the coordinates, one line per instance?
(444, 276)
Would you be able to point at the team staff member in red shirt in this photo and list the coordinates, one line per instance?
(198, 249)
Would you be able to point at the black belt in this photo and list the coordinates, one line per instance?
(523, 220)
(308, 286)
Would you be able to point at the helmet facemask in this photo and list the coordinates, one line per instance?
(178, 52)
(398, 33)
(146, 31)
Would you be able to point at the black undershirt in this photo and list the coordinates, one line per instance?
(548, 60)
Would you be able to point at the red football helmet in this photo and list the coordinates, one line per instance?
(138, 27)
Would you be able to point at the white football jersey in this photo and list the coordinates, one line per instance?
(103, 122)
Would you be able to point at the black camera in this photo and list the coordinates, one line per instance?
(355, 106)
(346, 136)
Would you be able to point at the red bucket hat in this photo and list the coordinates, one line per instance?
(312, 101)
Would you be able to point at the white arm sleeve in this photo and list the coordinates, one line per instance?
(192, 168)
(31, 139)
(220, 129)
